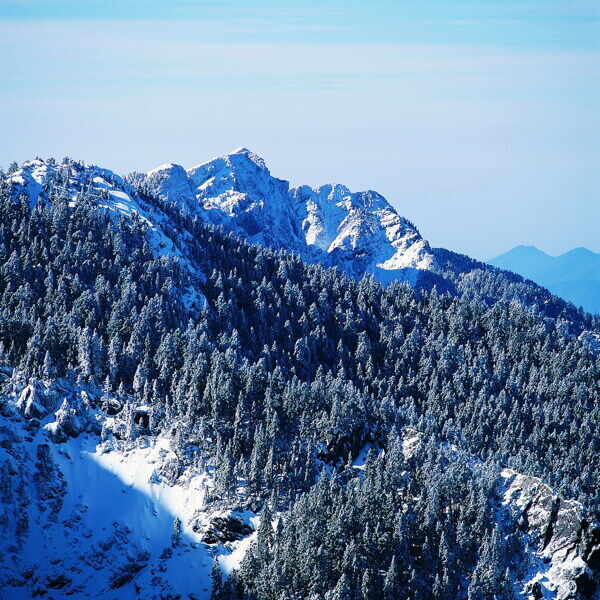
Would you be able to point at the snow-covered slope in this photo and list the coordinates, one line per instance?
(35, 181)
(35, 178)
(87, 513)
(94, 506)
(359, 232)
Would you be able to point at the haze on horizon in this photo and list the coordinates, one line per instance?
(477, 121)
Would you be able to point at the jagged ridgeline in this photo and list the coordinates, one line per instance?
(295, 385)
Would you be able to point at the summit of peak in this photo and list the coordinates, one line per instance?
(580, 252)
(165, 168)
(248, 154)
(332, 225)
(241, 150)
(237, 157)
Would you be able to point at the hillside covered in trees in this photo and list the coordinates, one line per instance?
(295, 385)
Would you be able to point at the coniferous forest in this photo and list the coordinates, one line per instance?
(296, 385)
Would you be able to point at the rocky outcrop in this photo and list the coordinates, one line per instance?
(127, 571)
(74, 417)
(359, 232)
(36, 401)
(592, 339)
(225, 528)
(558, 554)
(563, 545)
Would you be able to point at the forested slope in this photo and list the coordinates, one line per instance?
(287, 371)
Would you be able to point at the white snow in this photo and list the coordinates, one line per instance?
(359, 232)
(232, 560)
(555, 567)
(361, 459)
(361, 228)
(119, 199)
(161, 168)
(410, 443)
(136, 468)
(114, 506)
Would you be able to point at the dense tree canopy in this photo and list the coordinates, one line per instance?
(288, 368)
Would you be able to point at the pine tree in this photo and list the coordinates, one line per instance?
(176, 532)
(216, 581)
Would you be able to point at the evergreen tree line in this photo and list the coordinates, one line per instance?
(417, 528)
(288, 367)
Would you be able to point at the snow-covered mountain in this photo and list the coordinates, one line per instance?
(95, 506)
(574, 275)
(359, 232)
(141, 438)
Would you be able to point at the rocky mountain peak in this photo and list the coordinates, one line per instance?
(359, 232)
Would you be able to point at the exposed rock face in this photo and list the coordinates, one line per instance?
(564, 547)
(361, 232)
(75, 416)
(358, 232)
(560, 548)
(593, 339)
(171, 182)
(74, 410)
(238, 192)
(127, 571)
(35, 402)
(226, 528)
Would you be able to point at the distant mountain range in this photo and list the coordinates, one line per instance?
(574, 275)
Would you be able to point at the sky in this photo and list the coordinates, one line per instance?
(479, 121)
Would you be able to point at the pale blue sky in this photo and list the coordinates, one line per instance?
(477, 120)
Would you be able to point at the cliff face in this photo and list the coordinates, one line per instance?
(563, 547)
(555, 548)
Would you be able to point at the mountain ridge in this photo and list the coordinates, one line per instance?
(287, 389)
(357, 231)
(360, 233)
(573, 275)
